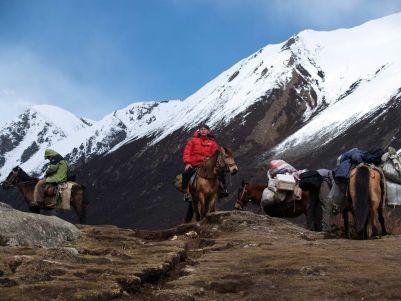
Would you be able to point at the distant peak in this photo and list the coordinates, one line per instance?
(61, 118)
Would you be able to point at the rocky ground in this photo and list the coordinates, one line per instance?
(228, 256)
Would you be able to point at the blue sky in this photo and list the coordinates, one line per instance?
(91, 57)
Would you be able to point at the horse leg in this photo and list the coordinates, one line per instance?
(373, 224)
(78, 203)
(197, 206)
(202, 205)
(375, 201)
(212, 204)
(381, 220)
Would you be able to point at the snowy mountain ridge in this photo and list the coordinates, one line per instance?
(337, 78)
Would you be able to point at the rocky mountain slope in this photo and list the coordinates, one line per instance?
(305, 100)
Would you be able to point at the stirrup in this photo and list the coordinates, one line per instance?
(187, 197)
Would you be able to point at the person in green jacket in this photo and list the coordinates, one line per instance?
(56, 173)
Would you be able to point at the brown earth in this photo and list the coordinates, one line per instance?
(228, 256)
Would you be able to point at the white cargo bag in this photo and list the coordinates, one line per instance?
(270, 197)
(285, 182)
(267, 197)
(392, 166)
(272, 185)
(393, 191)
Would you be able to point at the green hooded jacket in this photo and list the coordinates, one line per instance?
(57, 171)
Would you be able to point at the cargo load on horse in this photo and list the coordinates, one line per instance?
(282, 184)
(391, 165)
(252, 192)
(345, 163)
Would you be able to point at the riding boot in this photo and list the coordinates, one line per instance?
(186, 177)
(187, 197)
(39, 193)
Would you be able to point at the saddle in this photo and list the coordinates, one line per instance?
(51, 190)
(178, 181)
(58, 196)
(372, 168)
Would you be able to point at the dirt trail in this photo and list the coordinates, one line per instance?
(229, 256)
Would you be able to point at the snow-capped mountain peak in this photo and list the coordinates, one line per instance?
(36, 128)
(67, 122)
(311, 87)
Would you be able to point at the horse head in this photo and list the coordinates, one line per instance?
(12, 178)
(227, 160)
(17, 176)
(242, 197)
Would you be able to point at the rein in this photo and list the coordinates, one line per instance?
(210, 172)
(14, 177)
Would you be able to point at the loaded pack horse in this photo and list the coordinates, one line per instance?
(365, 202)
(204, 188)
(26, 185)
(289, 208)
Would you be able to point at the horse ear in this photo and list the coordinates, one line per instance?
(16, 168)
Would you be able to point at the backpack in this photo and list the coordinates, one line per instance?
(310, 180)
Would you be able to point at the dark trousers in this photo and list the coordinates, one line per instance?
(186, 176)
(319, 207)
(313, 216)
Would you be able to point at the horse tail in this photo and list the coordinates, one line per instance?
(361, 202)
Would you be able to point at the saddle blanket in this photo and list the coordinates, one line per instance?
(64, 190)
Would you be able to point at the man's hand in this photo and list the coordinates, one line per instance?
(188, 166)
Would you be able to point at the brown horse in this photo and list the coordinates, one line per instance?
(26, 185)
(249, 192)
(206, 184)
(287, 208)
(365, 202)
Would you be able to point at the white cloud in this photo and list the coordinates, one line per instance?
(313, 13)
(11, 105)
(25, 80)
(326, 13)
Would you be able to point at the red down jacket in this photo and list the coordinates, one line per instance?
(198, 148)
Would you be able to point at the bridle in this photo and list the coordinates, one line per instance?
(13, 180)
(10, 182)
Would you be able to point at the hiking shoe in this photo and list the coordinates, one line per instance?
(187, 197)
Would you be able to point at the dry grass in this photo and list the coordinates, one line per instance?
(392, 218)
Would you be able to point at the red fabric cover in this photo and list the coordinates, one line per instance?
(277, 165)
(198, 148)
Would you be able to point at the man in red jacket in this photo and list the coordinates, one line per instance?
(200, 147)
